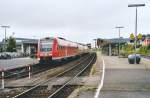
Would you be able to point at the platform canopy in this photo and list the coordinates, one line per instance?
(103, 42)
(118, 40)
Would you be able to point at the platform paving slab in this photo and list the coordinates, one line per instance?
(113, 62)
(124, 80)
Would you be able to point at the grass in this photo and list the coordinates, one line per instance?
(93, 70)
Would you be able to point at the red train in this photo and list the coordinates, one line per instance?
(58, 48)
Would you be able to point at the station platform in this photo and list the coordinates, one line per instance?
(16, 63)
(121, 79)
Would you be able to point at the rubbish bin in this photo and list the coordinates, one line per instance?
(131, 58)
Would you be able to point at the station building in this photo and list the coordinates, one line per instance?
(25, 45)
(146, 42)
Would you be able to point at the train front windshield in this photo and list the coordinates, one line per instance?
(46, 46)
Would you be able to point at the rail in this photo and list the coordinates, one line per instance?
(23, 94)
(65, 84)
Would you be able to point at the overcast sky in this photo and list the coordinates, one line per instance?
(76, 20)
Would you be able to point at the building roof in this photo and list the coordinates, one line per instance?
(20, 41)
(26, 41)
(118, 40)
(115, 40)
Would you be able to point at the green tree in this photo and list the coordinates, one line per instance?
(11, 45)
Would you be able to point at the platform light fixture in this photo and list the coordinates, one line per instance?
(136, 6)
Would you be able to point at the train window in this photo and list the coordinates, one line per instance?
(46, 47)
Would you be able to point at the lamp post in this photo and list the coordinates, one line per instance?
(95, 42)
(119, 28)
(5, 27)
(135, 40)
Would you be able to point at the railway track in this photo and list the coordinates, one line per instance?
(35, 69)
(39, 92)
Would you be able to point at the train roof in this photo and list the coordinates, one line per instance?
(64, 42)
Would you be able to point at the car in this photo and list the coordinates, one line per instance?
(10, 55)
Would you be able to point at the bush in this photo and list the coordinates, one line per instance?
(144, 50)
(127, 49)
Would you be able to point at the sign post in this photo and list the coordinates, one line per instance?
(136, 6)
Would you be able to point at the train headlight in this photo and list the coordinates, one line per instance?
(38, 58)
